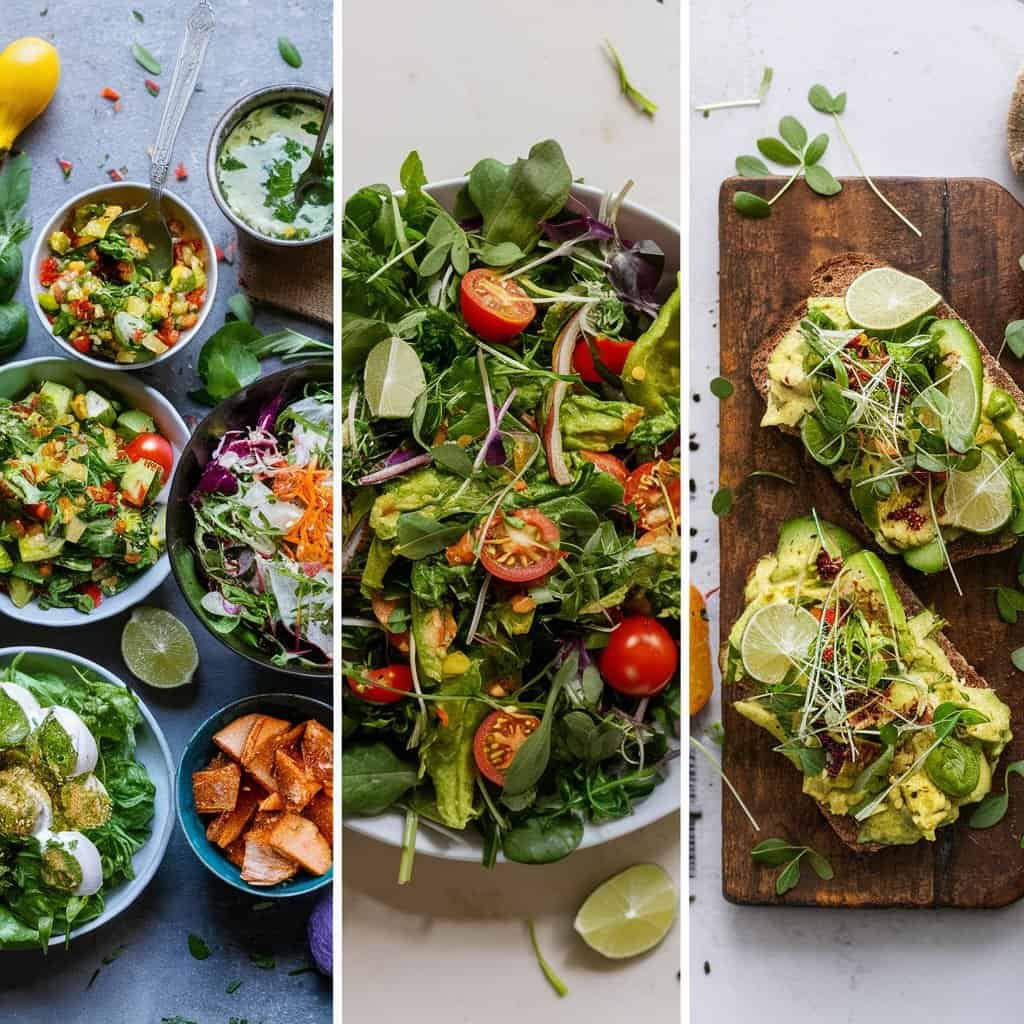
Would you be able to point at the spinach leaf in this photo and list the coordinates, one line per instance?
(373, 778)
(419, 535)
(543, 840)
(514, 199)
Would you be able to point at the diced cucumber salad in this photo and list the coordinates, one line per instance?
(101, 296)
(80, 473)
(264, 533)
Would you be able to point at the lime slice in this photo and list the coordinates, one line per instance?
(884, 299)
(979, 499)
(776, 637)
(630, 913)
(392, 378)
(159, 649)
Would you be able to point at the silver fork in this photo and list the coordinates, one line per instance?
(148, 219)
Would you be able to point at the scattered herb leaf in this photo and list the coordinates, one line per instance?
(233, 987)
(780, 853)
(755, 101)
(630, 91)
(144, 58)
(264, 961)
(289, 54)
(722, 387)
(197, 947)
(553, 979)
(993, 808)
(721, 503)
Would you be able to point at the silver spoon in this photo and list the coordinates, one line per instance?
(314, 175)
(148, 219)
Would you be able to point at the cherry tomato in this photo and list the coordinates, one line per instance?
(641, 657)
(168, 334)
(93, 591)
(397, 677)
(493, 309)
(40, 511)
(152, 448)
(497, 739)
(83, 343)
(48, 272)
(608, 463)
(646, 490)
(82, 309)
(520, 547)
(610, 351)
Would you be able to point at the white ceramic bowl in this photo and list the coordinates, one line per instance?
(635, 223)
(130, 195)
(18, 379)
(151, 751)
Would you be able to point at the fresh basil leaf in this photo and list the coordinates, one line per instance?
(821, 866)
(773, 853)
(789, 877)
(990, 811)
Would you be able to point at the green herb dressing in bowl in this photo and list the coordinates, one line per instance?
(259, 163)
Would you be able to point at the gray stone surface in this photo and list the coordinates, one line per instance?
(155, 977)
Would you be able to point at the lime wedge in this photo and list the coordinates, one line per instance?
(884, 299)
(159, 649)
(392, 378)
(979, 499)
(775, 638)
(630, 913)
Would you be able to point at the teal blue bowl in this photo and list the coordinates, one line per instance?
(196, 756)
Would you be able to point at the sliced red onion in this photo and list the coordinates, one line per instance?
(561, 363)
(390, 472)
(478, 610)
(354, 541)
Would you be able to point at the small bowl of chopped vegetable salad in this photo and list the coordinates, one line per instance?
(250, 522)
(95, 292)
(85, 454)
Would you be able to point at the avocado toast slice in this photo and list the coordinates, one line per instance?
(893, 731)
(906, 445)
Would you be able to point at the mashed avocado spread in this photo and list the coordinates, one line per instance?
(861, 697)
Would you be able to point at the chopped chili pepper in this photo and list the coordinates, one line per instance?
(180, 172)
(442, 716)
(48, 272)
(115, 174)
(66, 166)
(219, 253)
(110, 94)
(152, 88)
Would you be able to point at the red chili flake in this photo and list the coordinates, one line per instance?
(117, 107)
(909, 514)
(115, 174)
(835, 755)
(110, 94)
(180, 172)
(152, 87)
(828, 567)
(219, 253)
(66, 166)
(828, 655)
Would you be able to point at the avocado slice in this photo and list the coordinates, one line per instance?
(800, 541)
(866, 577)
(959, 352)
(139, 481)
(6, 562)
(651, 372)
(58, 396)
(928, 558)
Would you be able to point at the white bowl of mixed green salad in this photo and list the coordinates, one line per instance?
(85, 797)
(95, 294)
(85, 458)
(511, 500)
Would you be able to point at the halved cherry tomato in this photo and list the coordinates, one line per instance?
(82, 309)
(493, 309)
(648, 487)
(497, 739)
(393, 677)
(520, 547)
(610, 351)
(40, 511)
(608, 463)
(82, 343)
(461, 552)
(48, 272)
(168, 334)
(641, 657)
(152, 448)
(93, 591)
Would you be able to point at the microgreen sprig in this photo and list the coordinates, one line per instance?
(753, 101)
(776, 853)
(793, 148)
(825, 103)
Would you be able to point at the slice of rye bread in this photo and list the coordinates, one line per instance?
(845, 826)
(832, 278)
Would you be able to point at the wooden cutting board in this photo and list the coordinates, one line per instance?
(973, 236)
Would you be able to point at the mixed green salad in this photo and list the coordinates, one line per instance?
(75, 804)
(511, 576)
(264, 532)
(100, 294)
(80, 473)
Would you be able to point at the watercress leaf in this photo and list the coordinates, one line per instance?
(460, 253)
(815, 149)
(839, 103)
(752, 167)
(542, 840)
(750, 205)
(990, 811)
(789, 877)
(777, 151)
(821, 181)
(503, 254)
(822, 868)
(453, 458)
(435, 259)
(374, 778)
(793, 132)
(577, 729)
(1014, 337)
(773, 852)
(1017, 657)
(515, 199)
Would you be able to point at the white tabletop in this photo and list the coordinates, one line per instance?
(929, 82)
(460, 81)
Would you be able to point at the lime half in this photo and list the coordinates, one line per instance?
(630, 913)
(159, 649)
(776, 638)
(392, 378)
(979, 499)
(884, 299)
